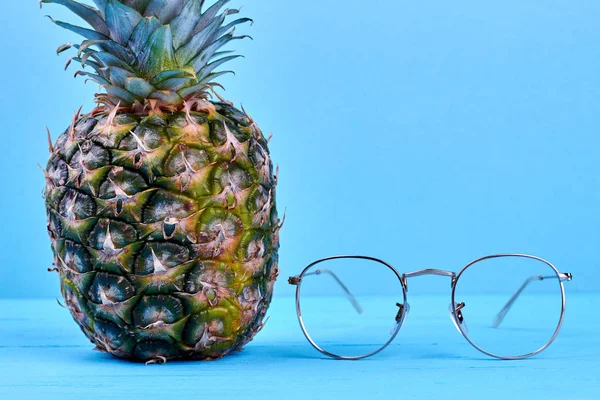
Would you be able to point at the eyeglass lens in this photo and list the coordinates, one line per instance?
(349, 306)
(512, 305)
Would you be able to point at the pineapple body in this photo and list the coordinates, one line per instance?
(161, 202)
(164, 230)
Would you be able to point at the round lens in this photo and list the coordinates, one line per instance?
(350, 307)
(509, 306)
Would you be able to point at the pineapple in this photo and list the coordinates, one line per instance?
(160, 201)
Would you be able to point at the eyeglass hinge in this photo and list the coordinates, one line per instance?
(294, 280)
(567, 276)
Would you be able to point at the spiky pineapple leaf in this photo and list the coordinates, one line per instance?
(213, 76)
(118, 76)
(233, 24)
(152, 49)
(141, 34)
(200, 40)
(101, 4)
(86, 33)
(206, 55)
(157, 55)
(86, 44)
(139, 5)
(207, 36)
(222, 53)
(121, 20)
(166, 97)
(120, 93)
(85, 12)
(176, 84)
(184, 24)
(139, 87)
(165, 10)
(190, 91)
(109, 60)
(209, 15)
(96, 78)
(97, 67)
(185, 72)
(87, 53)
(64, 47)
(110, 46)
(204, 72)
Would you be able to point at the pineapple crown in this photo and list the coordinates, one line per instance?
(156, 54)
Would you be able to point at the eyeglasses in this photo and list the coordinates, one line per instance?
(508, 306)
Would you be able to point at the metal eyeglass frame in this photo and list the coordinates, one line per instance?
(455, 309)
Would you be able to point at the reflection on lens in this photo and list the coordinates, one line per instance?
(512, 305)
(349, 305)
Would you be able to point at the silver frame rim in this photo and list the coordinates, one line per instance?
(301, 321)
(528, 355)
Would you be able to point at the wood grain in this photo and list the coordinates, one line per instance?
(43, 355)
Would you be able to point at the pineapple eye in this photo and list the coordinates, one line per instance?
(119, 206)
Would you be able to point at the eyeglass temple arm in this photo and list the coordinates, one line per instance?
(504, 311)
(349, 294)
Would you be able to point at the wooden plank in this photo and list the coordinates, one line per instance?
(43, 355)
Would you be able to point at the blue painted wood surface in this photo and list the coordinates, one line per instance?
(44, 355)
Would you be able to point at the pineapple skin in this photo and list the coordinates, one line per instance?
(164, 230)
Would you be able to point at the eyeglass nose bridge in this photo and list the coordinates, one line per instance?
(428, 271)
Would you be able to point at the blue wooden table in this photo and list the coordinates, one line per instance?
(44, 355)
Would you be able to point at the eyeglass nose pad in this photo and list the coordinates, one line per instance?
(457, 317)
(403, 310)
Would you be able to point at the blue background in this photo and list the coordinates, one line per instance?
(426, 133)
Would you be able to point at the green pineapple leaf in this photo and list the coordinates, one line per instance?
(184, 24)
(176, 84)
(204, 72)
(214, 75)
(165, 10)
(139, 5)
(121, 20)
(139, 87)
(207, 54)
(97, 67)
(94, 77)
(141, 34)
(157, 55)
(86, 33)
(110, 47)
(118, 76)
(119, 92)
(206, 36)
(166, 96)
(186, 72)
(209, 15)
(85, 12)
(101, 4)
(141, 39)
(109, 60)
